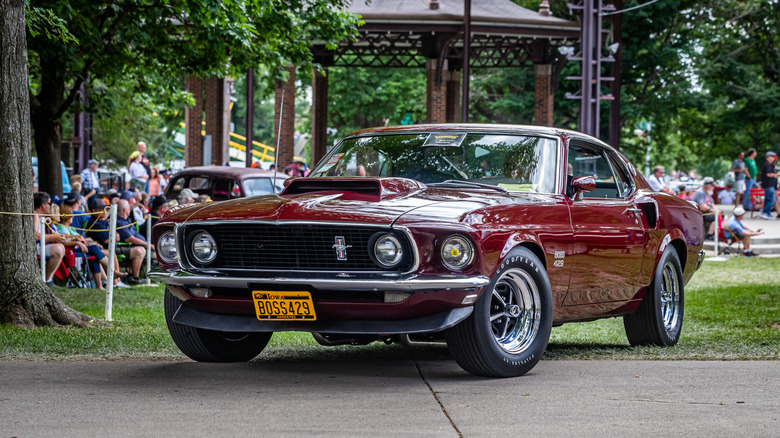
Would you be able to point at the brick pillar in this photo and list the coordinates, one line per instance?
(193, 116)
(319, 116)
(453, 95)
(285, 139)
(436, 100)
(543, 96)
(217, 118)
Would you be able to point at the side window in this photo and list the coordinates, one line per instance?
(222, 189)
(585, 160)
(624, 180)
(177, 185)
(198, 183)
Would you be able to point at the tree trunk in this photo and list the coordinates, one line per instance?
(24, 298)
(47, 131)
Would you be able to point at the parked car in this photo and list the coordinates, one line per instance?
(489, 235)
(222, 183)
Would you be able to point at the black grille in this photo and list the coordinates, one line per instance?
(249, 246)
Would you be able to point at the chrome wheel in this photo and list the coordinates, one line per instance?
(515, 311)
(670, 298)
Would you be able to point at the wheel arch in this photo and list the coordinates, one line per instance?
(679, 246)
(537, 250)
(525, 240)
(676, 239)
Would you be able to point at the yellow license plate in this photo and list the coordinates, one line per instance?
(283, 306)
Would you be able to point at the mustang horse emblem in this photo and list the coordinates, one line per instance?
(341, 248)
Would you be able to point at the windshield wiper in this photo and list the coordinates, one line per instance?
(459, 182)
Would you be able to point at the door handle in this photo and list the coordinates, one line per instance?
(634, 211)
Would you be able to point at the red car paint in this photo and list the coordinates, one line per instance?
(599, 254)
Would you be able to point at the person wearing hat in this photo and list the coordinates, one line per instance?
(703, 198)
(741, 232)
(187, 196)
(158, 208)
(128, 196)
(769, 184)
(90, 181)
(138, 175)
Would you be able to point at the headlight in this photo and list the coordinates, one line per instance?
(204, 248)
(166, 247)
(457, 252)
(388, 250)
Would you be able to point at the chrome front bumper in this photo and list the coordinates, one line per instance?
(404, 283)
(701, 259)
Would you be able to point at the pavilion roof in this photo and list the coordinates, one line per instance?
(488, 13)
(405, 33)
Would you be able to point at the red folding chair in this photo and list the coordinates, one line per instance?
(726, 236)
(756, 200)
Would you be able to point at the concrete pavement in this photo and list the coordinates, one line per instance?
(347, 396)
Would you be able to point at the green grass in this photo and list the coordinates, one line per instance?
(732, 311)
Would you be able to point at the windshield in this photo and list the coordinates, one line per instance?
(514, 162)
(262, 186)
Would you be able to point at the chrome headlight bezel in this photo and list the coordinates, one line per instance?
(461, 244)
(203, 237)
(394, 241)
(166, 247)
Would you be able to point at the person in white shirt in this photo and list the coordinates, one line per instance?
(726, 196)
(138, 175)
(656, 181)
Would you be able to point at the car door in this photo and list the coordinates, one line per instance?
(609, 237)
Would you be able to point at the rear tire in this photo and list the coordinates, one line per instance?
(659, 319)
(508, 331)
(209, 345)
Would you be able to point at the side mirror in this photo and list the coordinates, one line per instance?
(582, 184)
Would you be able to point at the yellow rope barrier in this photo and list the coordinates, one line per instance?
(94, 213)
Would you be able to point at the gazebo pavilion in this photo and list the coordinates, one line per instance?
(416, 34)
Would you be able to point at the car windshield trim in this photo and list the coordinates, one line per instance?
(517, 162)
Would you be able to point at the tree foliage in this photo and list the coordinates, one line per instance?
(149, 45)
(366, 97)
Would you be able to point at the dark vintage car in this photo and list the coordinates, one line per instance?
(485, 235)
(221, 182)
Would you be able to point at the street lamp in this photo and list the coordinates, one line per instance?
(642, 131)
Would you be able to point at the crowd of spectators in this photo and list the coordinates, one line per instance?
(79, 221)
(755, 188)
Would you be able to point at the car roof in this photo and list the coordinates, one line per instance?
(478, 127)
(229, 172)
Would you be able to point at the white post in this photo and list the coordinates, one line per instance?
(42, 231)
(716, 258)
(148, 248)
(717, 231)
(111, 255)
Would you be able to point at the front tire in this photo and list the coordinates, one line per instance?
(508, 331)
(209, 345)
(659, 318)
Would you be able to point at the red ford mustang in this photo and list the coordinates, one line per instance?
(487, 235)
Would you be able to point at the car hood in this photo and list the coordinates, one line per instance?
(364, 200)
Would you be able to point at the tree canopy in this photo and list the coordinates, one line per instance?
(149, 45)
(704, 73)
